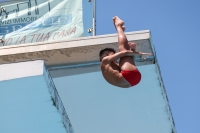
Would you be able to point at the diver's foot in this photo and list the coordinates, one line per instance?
(118, 22)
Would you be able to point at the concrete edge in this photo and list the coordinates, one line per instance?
(77, 42)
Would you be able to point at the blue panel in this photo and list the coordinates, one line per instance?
(93, 105)
(87, 17)
(29, 101)
(27, 107)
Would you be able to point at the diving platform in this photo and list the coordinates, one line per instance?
(66, 75)
(74, 51)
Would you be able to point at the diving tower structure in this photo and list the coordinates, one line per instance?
(71, 69)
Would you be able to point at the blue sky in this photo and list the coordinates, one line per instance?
(175, 29)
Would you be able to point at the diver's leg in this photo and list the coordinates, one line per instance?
(126, 63)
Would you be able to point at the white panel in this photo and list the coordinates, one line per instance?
(20, 70)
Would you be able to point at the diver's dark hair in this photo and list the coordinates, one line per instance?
(106, 52)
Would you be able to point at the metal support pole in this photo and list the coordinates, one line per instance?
(94, 17)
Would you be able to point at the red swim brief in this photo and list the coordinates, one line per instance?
(132, 76)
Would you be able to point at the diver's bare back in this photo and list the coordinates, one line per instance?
(111, 73)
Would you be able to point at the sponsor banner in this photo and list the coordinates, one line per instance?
(41, 20)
